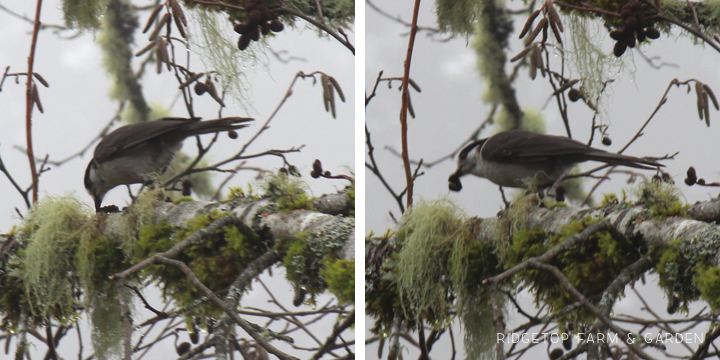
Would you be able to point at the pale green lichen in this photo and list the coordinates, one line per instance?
(84, 14)
(308, 255)
(458, 16)
(53, 229)
(427, 231)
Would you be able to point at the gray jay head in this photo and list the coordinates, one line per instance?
(518, 158)
(134, 154)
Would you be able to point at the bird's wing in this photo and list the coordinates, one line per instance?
(466, 150)
(131, 137)
(525, 146)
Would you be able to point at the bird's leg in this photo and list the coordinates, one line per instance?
(502, 193)
(132, 197)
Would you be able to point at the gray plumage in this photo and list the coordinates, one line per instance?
(133, 153)
(518, 158)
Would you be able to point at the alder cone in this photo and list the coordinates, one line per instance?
(574, 95)
(652, 33)
(241, 28)
(276, 26)
(620, 48)
(243, 42)
(254, 33)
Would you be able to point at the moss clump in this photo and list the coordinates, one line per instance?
(216, 261)
(300, 261)
(350, 191)
(662, 199)
(676, 273)
(12, 294)
(708, 283)
(685, 271)
(307, 256)
(288, 192)
(381, 295)
(340, 278)
(183, 199)
(590, 267)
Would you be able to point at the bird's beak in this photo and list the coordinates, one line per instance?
(98, 202)
(454, 182)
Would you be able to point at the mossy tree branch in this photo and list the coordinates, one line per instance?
(654, 237)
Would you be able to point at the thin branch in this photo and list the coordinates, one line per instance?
(405, 103)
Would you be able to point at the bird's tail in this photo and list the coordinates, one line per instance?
(195, 127)
(625, 160)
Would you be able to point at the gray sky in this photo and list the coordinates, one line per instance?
(77, 107)
(450, 108)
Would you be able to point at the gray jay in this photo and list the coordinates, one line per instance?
(133, 153)
(518, 158)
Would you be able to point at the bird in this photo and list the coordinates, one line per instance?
(521, 159)
(134, 154)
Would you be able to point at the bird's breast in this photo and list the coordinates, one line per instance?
(540, 174)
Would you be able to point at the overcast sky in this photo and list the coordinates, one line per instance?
(449, 108)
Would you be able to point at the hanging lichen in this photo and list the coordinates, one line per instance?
(53, 229)
(84, 14)
(458, 16)
(428, 229)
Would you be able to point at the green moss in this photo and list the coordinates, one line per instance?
(216, 261)
(609, 199)
(12, 294)
(340, 278)
(183, 199)
(662, 199)
(590, 267)
(307, 256)
(708, 283)
(685, 273)
(288, 192)
(560, 204)
(350, 191)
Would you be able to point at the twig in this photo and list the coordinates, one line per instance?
(405, 102)
(29, 103)
(218, 302)
(337, 330)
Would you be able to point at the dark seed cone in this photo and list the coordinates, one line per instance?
(200, 88)
(183, 348)
(254, 33)
(276, 26)
(652, 33)
(241, 28)
(574, 95)
(243, 42)
(620, 48)
(615, 34)
(606, 141)
(630, 41)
